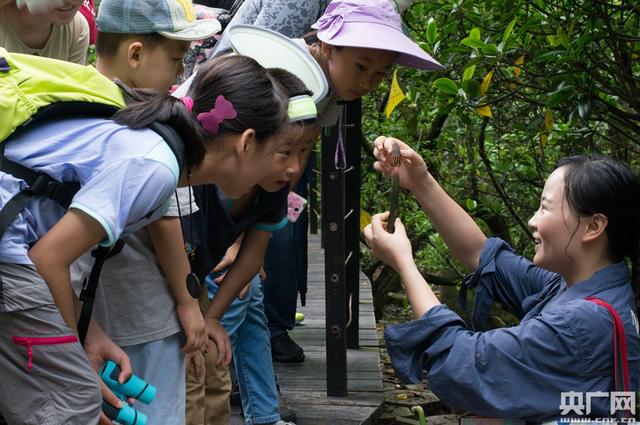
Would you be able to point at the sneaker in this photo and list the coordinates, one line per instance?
(284, 349)
(281, 422)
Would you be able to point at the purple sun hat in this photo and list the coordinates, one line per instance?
(372, 24)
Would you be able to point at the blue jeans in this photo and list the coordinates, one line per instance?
(246, 325)
(286, 266)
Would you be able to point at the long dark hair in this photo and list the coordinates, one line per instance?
(600, 185)
(259, 101)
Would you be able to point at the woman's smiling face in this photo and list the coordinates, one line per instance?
(554, 227)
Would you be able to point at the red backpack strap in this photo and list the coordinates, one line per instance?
(620, 359)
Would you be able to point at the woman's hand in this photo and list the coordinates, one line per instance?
(393, 249)
(100, 348)
(193, 325)
(413, 169)
(219, 336)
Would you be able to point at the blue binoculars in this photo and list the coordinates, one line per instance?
(134, 387)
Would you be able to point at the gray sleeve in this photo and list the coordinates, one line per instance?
(328, 111)
(179, 203)
(290, 18)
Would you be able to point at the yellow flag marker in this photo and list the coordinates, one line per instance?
(543, 139)
(485, 82)
(518, 68)
(365, 219)
(484, 111)
(396, 95)
(548, 121)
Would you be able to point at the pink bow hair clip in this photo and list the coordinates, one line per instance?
(188, 102)
(222, 110)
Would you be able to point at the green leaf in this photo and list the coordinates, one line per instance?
(553, 40)
(468, 73)
(471, 87)
(471, 204)
(559, 96)
(411, 120)
(472, 42)
(584, 107)
(509, 30)
(446, 85)
(475, 33)
(432, 31)
(551, 55)
(490, 49)
(562, 37)
(527, 39)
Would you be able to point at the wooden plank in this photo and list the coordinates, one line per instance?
(309, 413)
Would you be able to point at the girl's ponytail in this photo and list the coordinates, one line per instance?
(145, 106)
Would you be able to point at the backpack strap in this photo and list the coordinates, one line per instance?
(88, 293)
(173, 139)
(40, 184)
(620, 358)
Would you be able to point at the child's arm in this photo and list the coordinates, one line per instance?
(229, 258)
(52, 255)
(166, 237)
(457, 228)
(75, 234)
(247, 265)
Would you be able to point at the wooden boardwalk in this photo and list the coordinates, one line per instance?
(303, 386)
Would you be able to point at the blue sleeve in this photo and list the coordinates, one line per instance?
(125, 193)
(271, 227)
(506, 277)
(516, 372)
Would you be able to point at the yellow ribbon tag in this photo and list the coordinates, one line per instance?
(396, 95)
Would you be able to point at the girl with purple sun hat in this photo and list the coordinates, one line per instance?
(357, 42)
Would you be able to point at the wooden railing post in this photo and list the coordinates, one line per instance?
(333, 206)
(313, 195)
(353, 131)
(341, 241)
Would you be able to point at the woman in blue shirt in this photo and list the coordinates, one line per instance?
(586, 225)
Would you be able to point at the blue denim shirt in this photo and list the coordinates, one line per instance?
(563, 343)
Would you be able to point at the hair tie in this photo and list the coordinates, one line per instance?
(222, 110)
(188, 102)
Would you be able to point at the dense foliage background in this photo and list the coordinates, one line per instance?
(526, 83)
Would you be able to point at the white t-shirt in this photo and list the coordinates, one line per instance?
(126, 178)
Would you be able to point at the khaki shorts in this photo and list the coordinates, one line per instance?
(46, 378)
